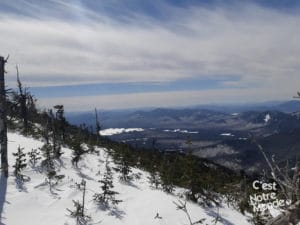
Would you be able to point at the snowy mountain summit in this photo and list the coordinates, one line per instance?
(34, 200)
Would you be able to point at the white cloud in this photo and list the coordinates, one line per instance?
(258, 44)
(166, 99)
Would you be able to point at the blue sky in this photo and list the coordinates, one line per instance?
(132, 87)
(114, 54)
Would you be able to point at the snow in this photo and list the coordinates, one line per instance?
(242, 138)
(267, 118)
(182, 131)
(32, 203)
(227, 134)
(113, 131)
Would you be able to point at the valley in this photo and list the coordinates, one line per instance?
(225, 137)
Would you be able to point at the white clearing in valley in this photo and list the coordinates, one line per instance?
(267, 118)
(113, 131)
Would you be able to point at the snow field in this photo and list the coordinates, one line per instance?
(32, 203)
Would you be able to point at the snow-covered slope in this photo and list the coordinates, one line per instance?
(32, 203)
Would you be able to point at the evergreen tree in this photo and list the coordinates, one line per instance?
(167, 175)
(32, 112)
(125, 170)
(47, 163)
(61, 121)
(123, 166)
(108, 195)
(20, 162)
(154, 179)
(34, 156)
(77, 152)
(191, 176)
(49, 167)
(56, 143)
(46, 126)
(90, 142)
(97, 125)
(154, 174)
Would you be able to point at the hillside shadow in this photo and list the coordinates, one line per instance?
(84, 176)
(112, 211)
(20, 182)
(220, 218)
(3, 189)
(117, 213)
(130, 183)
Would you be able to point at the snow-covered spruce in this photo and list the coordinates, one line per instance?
(20, 163)
(107, 197)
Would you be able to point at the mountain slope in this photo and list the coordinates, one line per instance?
(33, 203)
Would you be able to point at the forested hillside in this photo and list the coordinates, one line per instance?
(45, 150)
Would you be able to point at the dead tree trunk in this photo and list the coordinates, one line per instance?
(3, 122)
(83, 196)
(22, 101)
(98, 127)
(290, 187)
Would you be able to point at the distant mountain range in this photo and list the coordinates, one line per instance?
(219, 133)
(124, 118)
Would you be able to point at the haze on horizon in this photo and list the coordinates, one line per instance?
(129, 54)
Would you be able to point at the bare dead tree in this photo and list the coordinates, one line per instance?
(22, 100)
(290, 216)
(298, 95)
(78, 212)
(98, 126)
(180, 205)
(3, 119)
(289, 183)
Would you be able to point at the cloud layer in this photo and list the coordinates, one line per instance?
(72, 44)
(163, 99)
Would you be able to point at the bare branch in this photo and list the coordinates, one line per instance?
(290, 216)
(6, 59)
(180, 205)
(274, 171)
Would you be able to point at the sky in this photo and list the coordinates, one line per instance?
(117, 54)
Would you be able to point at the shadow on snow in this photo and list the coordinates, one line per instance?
(3, 188)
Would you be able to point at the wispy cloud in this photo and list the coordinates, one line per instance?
(134, 87)
(164, 99)
(67, 42)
